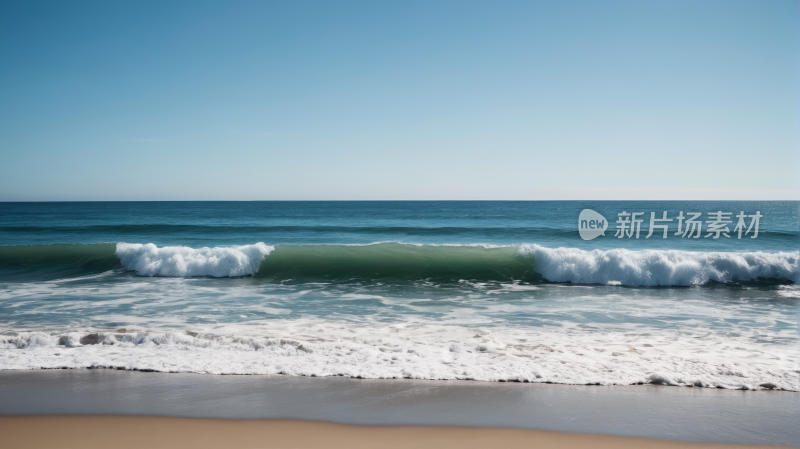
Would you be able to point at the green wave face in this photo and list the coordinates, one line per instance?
(392, 261)
(48, 262)
(383, 262)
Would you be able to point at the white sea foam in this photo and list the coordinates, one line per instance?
(150, 260)
(659, 267)
(426, 350)
(789, 291)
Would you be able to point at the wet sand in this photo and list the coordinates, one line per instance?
(122, 432)
(666, 413)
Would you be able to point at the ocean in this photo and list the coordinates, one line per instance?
(484, 290)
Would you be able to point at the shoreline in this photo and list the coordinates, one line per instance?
(122, 432)
(763, 387)
(654, 412)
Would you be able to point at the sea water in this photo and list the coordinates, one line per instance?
(486, 290)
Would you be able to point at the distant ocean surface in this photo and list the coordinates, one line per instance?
(485, 290)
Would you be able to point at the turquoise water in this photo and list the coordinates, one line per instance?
(438, 290)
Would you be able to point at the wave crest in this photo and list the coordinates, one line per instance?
(660, 267)
(150, 260)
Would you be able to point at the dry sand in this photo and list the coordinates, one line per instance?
(122, 432)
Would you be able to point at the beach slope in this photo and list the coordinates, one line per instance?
(122, 432)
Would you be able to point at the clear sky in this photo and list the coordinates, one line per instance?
(240, 100)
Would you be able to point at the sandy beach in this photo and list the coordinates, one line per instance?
(94, 408)
(121, 432)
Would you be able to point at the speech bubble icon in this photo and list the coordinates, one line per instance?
(591, 224)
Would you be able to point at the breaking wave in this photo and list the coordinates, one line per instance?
(402, 262)
(661, 267)
(182, 261)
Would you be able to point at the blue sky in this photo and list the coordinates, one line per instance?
(239, 100)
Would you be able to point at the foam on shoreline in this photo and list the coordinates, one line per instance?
(424, 350)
